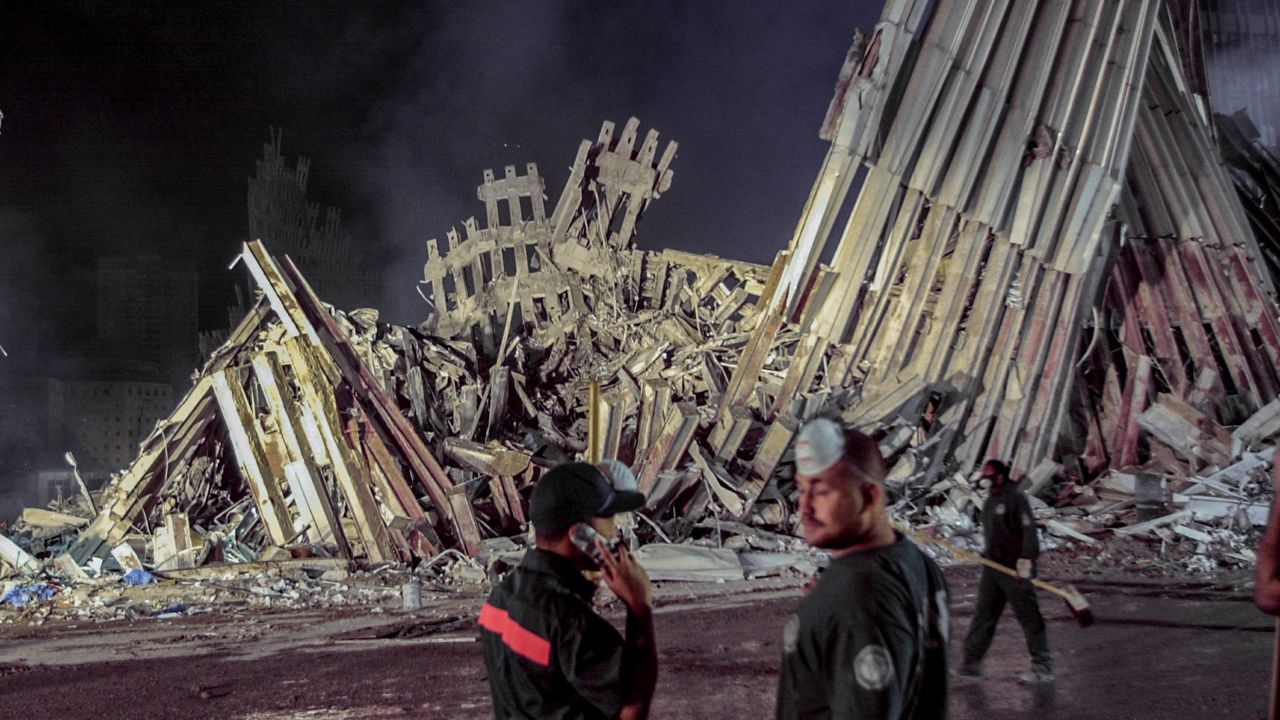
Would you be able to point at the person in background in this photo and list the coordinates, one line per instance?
(1009, 530)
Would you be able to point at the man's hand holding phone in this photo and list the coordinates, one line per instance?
(584, 538)
(626, 579)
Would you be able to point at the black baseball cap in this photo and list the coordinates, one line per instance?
(576, 492)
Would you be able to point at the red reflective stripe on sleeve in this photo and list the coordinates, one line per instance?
(492, 618)
(522, 642)
(527, 644)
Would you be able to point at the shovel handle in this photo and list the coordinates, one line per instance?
(975, 557)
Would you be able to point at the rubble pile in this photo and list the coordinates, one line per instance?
(1047, 262)
(313, 432)
(1147, 521)
(316, 583)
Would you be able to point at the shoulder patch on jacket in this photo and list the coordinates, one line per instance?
(873, 668)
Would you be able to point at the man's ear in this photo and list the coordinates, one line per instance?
(873, 493)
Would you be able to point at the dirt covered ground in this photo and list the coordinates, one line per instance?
(1162, 648)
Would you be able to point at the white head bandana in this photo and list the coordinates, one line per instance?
(618, 475)
(819, 445)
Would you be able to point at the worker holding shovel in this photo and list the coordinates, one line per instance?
(1010, 534)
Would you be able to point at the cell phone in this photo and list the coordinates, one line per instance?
(584, 537)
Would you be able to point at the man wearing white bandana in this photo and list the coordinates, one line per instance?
(870, 639)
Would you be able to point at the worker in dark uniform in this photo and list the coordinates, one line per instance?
(869, 640)
(1010, 534)
(547, 653)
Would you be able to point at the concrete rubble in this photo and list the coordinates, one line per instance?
(1054, 272)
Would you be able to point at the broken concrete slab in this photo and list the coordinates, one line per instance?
(49, 520)
(689, 563)
(769, 564)
(1195, 438)
(1260, 427)
(16, 557)
(1206, 507)
(1151, 525)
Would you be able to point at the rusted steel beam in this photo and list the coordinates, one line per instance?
(1136, 397)
(1201, 282)
(669, 445)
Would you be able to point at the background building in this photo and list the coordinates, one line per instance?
(103, 421)
(311, 234)
(148, 309)
(48, 411)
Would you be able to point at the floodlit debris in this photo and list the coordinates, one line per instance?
(1046, 262)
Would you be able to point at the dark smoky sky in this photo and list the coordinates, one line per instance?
(1244, 73)
(131, 128)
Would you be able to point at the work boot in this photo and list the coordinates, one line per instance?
(1036, 676)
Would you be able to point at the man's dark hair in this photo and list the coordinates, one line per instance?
(998, 467)
(862, 452)
(549, 535)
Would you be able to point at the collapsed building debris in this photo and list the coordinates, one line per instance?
(1046, 262)
(313, 430)
(1256, 173)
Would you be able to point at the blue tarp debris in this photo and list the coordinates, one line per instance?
(138, 577)
(22, 595)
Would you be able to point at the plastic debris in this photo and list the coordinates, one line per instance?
(137, 577)
(24, 595)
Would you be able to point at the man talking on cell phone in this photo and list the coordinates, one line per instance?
(547, 653)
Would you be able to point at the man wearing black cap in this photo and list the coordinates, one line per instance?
(870, 638)
(548, 654)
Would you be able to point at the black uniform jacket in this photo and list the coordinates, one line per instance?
(548, 654)
(1008, 526)
(869, 641)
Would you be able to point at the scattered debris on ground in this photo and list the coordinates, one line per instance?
(1011, 284)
